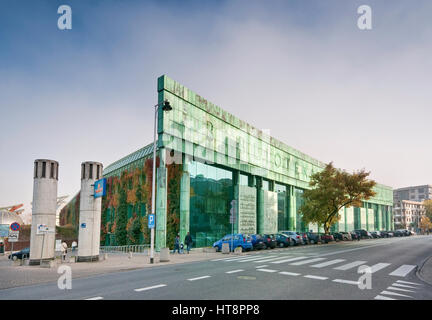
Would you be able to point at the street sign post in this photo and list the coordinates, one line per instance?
(13, 236)
(15, 226)
(151, 221)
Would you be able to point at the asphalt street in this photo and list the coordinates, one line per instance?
(306, 272)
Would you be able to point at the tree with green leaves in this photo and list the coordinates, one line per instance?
(428, 208)
(332, 190)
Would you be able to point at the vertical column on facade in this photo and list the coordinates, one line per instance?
(260, 204)
(293, 210)
(379, 216)
(236, 183)
(367, 216)
(345, 219)
(161, 201)
(184, 198)
(391, 217)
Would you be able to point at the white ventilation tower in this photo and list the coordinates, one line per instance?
(44, 210)
(90, 213)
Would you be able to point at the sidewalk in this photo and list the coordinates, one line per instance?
(14, 276)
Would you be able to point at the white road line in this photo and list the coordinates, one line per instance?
(378, 297)
(290, 273)
(403, 270)
(407, 282)
(243, 258)
(95, 298)
(315, 277)
(291, 259)
(149, 288)
(350, 265)
(403, 286)
(221, 259)
(234, 271)
(266, 265)
(199, 278)
(306, 261)
(267, 270)
(399, 289)
(328, 263)
(347, 281)
(252, 259)
(378, 266)
(268, 259)
(395, 294)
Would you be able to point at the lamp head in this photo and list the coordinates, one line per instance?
(166, 106)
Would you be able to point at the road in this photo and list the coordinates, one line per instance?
(307, 272)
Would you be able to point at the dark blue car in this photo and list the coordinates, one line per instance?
(257, 242)
(235, 240)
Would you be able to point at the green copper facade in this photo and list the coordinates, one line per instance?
(199, 130)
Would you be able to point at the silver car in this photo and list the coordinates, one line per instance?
(295, 236)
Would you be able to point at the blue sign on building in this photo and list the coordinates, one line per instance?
(100, 188)
(151, 221)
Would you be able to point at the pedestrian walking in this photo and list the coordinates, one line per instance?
(177, 244)
(188, 241)
(64, 251)
(74, 245)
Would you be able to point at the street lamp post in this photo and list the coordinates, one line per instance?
(166, 107)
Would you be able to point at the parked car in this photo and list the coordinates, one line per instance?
(376, 234)
(364, 234)
(337, 236)
(269, 240)
(283, 240)
(313, 237)
(346, 236)
(326, 238)
(406, 232)
(24, 253)
(257, 242)
(297, 239)
(235, 240)
(355, 235)
(304, 237)
(389, 234)
(398, 233)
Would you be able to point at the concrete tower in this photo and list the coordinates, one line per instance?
(90, 213)
(44, 210)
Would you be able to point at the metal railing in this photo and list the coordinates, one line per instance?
(138, 248)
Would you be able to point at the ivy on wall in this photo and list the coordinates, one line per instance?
(131, 193)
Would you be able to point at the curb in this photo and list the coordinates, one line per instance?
(419, 270)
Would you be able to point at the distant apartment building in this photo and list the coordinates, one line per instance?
(408, 214)
(418, 194)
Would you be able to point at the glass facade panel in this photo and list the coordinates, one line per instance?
(243, 180)
(282, 207)
(300, 226)
(211, 191)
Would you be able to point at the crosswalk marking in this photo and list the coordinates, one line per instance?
(395, 294)
(235, 271)
(244, 258)
(403, 286)
(403, 270)
(149, 288)
(350, 265)
(407, 282)
(378, 297)
(399, 289)
(266, 265)
(378, 266)
(327, 263)
(269, 259)
(252, 259)
(315, 277)
(299, 263)
(290, 273)
(290, 259)
(95, 298)
(267, 270)
(346, 281)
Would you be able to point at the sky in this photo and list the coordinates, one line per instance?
(302, 70)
